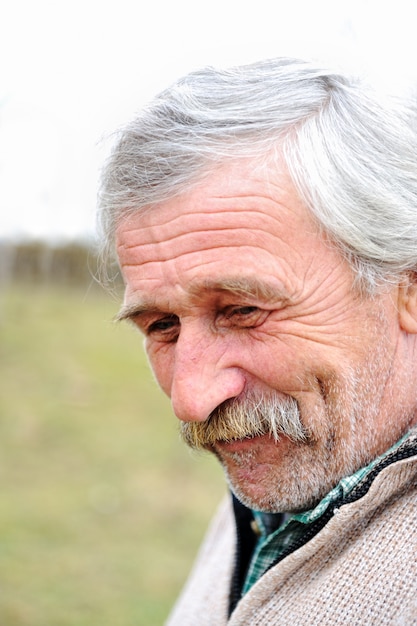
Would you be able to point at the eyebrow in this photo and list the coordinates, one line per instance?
(238, 286)
(129, 311)
(241, 286)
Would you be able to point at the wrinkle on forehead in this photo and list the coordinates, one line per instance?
(169, 228)
(234, 193)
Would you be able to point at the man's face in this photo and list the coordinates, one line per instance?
(240, 297)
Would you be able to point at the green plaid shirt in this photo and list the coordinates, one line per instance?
(272, 543)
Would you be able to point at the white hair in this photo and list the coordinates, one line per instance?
(350, 154)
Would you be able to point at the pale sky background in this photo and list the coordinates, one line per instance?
(71, 72)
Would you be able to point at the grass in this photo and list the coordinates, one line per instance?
(102, 508)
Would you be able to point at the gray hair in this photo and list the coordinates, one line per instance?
(350, 153)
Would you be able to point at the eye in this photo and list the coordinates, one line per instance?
(244, 316)
(164, 329)
(241, 311)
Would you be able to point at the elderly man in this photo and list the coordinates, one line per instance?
(265, 221)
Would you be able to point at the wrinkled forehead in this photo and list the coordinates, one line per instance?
(233, 178)
(235, 197)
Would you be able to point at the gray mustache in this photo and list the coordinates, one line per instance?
(247, 417)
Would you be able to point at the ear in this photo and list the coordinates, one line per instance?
(407, 304)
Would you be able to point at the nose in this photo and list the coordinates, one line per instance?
(204, 374)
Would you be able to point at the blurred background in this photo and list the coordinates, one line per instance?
(101, 507)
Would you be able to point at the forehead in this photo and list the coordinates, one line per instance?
(235, 196)
(236, 223)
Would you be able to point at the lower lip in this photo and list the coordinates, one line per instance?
(243, 445)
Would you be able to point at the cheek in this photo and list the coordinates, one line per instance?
(161, 361)
(277, 362)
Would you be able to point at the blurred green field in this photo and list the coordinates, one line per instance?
(102, 507)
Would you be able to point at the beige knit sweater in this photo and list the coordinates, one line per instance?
(360, 569)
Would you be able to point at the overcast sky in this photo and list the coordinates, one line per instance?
(70, 72)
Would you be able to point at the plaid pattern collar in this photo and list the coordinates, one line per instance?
(277, 532)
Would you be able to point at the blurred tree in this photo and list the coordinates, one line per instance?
(37, 262)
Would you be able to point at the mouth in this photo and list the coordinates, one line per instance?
(246, 444)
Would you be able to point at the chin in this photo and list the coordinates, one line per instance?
(269, 501)
(292, 487)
